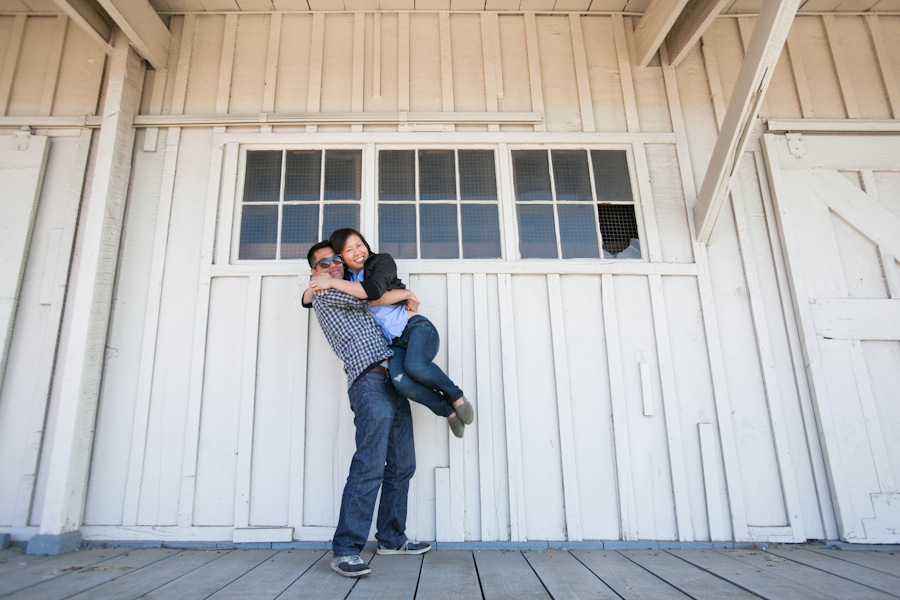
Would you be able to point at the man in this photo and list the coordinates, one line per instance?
(385, 456)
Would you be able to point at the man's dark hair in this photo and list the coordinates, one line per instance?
(311, 255)
(339, 238)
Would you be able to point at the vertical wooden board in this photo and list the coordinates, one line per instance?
(248, 78)
(270, 472)
(325, 391)
(591, 407)
(650, 95)
(484, 407)
(753, 434)
(80, 74)
(425, 62)
(28, 82)
(498, 416)
(700, 124)
(781, 95)
(172, 372)
(859, 260)
(653, 496)
(693, 384)
(205, 59)
(724, 37)
(115, 416)
(585, 102)
(468, 66)
(337, 64)
(669, 202)
(386, 38)
(859, 54)
(823, 83)
(6, 29)
(293, 63)
(544, 506)
(603, 72)
(887, 190)
(220, 412)
(468, 382)
(557, 70)
(890, 51)
(514, 65)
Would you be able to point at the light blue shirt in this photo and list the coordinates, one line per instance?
(391, 318)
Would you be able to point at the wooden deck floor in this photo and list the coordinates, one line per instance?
(123, 573)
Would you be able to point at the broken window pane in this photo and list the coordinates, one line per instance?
(618, 228)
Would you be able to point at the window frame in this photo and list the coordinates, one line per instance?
(237, 209)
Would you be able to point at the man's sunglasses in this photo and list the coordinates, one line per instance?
(326, 262)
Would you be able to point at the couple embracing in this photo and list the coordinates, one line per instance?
(371, 322)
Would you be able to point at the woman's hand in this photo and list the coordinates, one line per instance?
(321, 284)
(412, 303)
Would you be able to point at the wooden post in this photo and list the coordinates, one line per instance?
(83, 354)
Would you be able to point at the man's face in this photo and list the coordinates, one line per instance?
(336, 270)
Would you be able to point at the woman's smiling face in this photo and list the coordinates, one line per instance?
(354, 253)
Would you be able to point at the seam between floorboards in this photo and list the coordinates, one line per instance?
(817, 551)
(591, 571)
(531, 566)
(182, 575)
(123, 574)
(728, 581)
(840, 576)
(236, 578)
(305, 571)
(660, 577)
(61, 574)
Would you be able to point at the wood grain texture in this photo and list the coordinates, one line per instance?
(271, 577)
(508, 575)
(42, 569)
(885, 562)
(695, 582)
(319, 581)
(566, 577)
(392, 577)
(827, 564)
(626, 578)
(448, 576)
(213, 576)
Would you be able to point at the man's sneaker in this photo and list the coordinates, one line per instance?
(465, 411)
(457, 426)
(350, 566)
(408, 547)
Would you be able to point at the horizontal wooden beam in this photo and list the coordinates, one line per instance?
(91, 19)
(845, 319)
(762, 54)
(833, 126)
(145, 30)
(694, 20)
(658, 19)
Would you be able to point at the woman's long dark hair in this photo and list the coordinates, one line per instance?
(339, 238)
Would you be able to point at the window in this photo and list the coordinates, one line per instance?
(294, 198)
(438, 204)
(575, 204)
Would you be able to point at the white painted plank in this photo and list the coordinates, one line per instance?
(262, 535)
(226, 64)
(711, 481)
(314, 95)
(840, 65)
(146, 31)
(272, 63)
(403, 63)
(885, 68)
(694, 20)
(446, 67)
(495, 44)
(646, 389)
(517, 527)
(489, 62)
(860, 319)
(670, 408)
(184, 64)
(367, 219)
(564, 410)
(870, 413)
(442, 506)
(800, 80)
(298, 403)
(227, 208)
(627, 514)
(248, 402)
(745, 28)
(48, 281)
(359, 48)
(631, 114)
(534, 68)
(53, 61)
(581, 73)
(12, 60)
(376, 56)
(150, 336)
(712, 78)
(657, 20)
(454, 371)
(890, 271)
(157, 96)
(647, 207)
(484, 406)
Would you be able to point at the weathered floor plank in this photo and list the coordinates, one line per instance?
(565, 577)
(17, 559)
(271, 577)
(45, 570)
(626, 578)
(694, 582)
(11, 552)
(864, 575)
(886, 562)
(448, 576)
(151, 577)
(508, 576)
(321, 583)
(392, 577)
(758, 580)
(90, 577)
(814, 579)
(211, 577)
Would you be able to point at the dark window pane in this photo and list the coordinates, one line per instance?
(397, 230)
(397, 175)
(440, 237)
(611, 178)
(577, 232)
(338, 216)
(477, 177)
(437, 175)
(532, 175)
(299, 229)
(571, 175)
(343, 174)
(619, 231)
(480, 231)
(259, 232)
(262, 178)
(537, 234)
(301, 175)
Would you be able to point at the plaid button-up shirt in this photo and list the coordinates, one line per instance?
(351, 331)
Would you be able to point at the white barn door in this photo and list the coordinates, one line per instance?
(838, 207)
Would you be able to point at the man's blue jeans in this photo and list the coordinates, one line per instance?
(385, 457)
(413, 372)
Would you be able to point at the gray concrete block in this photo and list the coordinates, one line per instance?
(54, 544)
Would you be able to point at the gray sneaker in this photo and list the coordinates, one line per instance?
(465, 411)
(408, 547)
(350, 566)
(457, 426)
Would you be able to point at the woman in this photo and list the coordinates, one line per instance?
(413, 338)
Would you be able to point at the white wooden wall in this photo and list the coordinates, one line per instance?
(659, 399)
